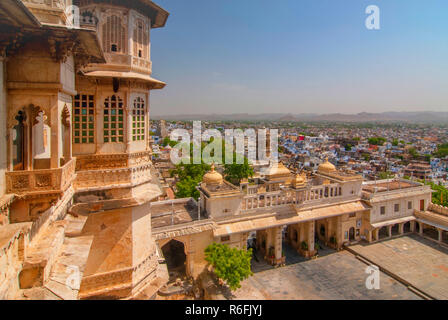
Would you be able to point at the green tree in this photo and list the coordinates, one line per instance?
(442, 151)
(440, 194)
(166, 141)
(186, 188)
(413, 152)
(385, 175)
(235, 172)
(395, 142)
(377, 141)
(190, 175)
(366, 156)
(229, 264)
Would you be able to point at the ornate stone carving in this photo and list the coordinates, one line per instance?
(43, 180)
(65, 117)
(20, 182)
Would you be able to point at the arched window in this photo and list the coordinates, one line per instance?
(138, 120)
(18, 144)
(113, 119)
(141, 40)
(83, 119)
(114, 35)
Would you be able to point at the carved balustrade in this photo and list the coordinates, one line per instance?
(38, 181)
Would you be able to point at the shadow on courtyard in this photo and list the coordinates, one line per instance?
(418, 238)
(258, 264)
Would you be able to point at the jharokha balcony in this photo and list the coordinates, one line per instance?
(45, 181)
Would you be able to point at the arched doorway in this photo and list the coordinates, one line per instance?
(383, 234)
(18, 142)
(351, 234)
(407, 227)
(175, 257)
(395, 230)
(417, 227)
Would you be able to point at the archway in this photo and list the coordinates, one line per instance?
(383, 234)
(407, 227)
(351, 234)
(41, 140)
(417, 227)
(175, 257)
(66, 134)
(395, 230)
(19, 142)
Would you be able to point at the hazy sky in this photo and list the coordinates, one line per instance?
(300, 56)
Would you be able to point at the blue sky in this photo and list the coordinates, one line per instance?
(300, 56)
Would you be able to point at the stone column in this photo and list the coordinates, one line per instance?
(440, 235)
(389, 231)
(128, 109)
(401, 228)
(55, 133)
(278, 242)
(420, 230)
(377, 234)
(369, 236)
(412, 226)
(339, 236)
(310, 236)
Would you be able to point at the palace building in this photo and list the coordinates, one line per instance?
(79, 210)
(76, 170)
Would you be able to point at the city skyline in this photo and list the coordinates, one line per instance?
(306, 57)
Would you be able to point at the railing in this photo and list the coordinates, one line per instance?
(53, 4)
(286, 197)
(50, 180)
(122, 176)
(142, 64)
(112, 161)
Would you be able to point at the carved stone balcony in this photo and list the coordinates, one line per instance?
(49, 11)
(50, 4)
(110, 170)
(46, 181)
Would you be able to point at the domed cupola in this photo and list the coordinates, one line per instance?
(326, 167)
(212, 177)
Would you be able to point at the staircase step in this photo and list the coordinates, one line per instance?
(41, 255)
(68, 269)
(75, 225)
(109, 293)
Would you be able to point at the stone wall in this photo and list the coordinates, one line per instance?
(438, 209)
(3, 138)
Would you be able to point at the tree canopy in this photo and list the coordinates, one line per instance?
(229, 264)
(442, 150)
(377, 141)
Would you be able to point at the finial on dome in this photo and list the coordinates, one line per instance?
(212, 177)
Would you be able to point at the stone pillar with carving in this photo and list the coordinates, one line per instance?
(56, 124)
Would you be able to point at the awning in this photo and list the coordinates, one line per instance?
(15, 13)
(379, 197)
(333, 210)
(392, 222)
(157, 84)
(436, 225)
(297, 217)
(433, 219)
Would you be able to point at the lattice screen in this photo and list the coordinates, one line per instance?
(84, 118)
(113, 119)
(138, 120)
(141, 40)
(114, 35)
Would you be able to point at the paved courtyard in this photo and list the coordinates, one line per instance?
(334, 275)
(418, 261)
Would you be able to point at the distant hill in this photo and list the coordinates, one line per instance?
(411, 117)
